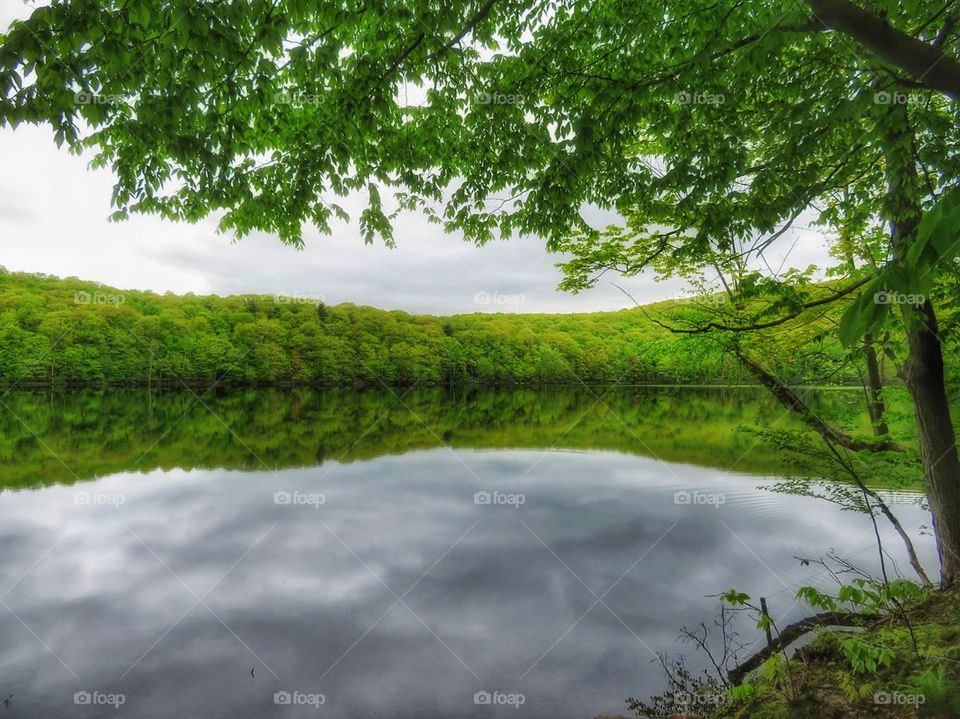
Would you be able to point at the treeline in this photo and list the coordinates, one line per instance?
(67, 331)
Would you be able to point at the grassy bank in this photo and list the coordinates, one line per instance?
(902, 666)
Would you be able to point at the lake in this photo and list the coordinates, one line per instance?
(406, 553)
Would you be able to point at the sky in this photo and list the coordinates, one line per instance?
(53, 219)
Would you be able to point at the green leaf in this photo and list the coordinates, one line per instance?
(734, 598)
(865, 314)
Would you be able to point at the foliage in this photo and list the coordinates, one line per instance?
(941, 693)
(704, 694)
(935, 247)
(778, 669)
(879, 672)
(719, 119)
(865, 656)
(56, 331)
(686, 692)
(865, 595)
(813, 471)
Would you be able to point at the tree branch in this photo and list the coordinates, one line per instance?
(927, 63)
(792, 401)
(710, 326)
(468, 28)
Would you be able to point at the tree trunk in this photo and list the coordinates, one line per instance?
(898, 527)
(923, 369)
(875, 405)
(938, 443)
(792, 401)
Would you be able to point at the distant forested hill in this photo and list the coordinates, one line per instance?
(65, 331)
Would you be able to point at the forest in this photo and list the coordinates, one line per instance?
(66, 331)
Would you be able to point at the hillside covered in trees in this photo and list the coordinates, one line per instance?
(67, 331)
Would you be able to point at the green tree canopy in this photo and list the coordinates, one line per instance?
(718, 119)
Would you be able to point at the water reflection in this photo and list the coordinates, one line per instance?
(63, 437)
(398, 595)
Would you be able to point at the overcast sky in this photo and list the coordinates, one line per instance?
(53, 219)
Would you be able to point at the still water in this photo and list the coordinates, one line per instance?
(355, 554)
